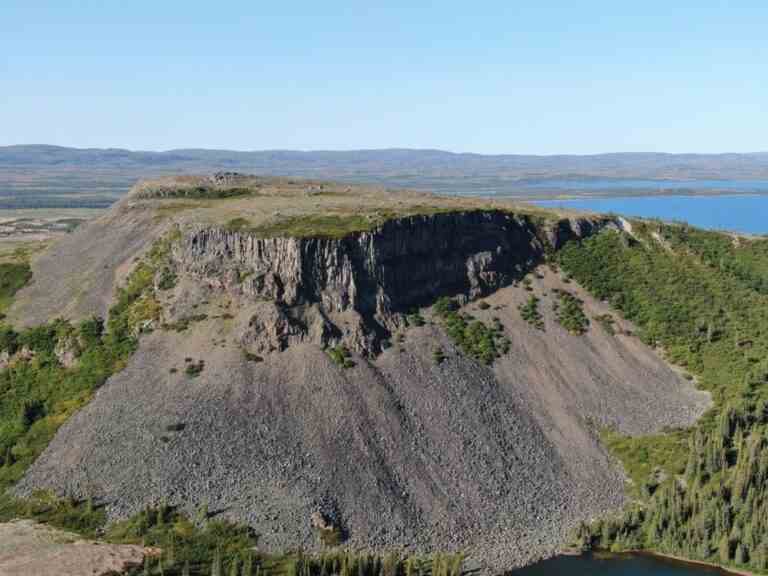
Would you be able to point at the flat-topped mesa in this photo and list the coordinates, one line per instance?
(311, 247)
(373, 277)
(221, 185)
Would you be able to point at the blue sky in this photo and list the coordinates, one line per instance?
(492, 77)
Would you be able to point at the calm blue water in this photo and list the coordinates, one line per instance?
(614, 565)
(734, 186)
(747, 214)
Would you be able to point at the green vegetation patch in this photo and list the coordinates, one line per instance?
(701, 296)
(475, 338)
(715, 510)
(331, 225)
(80, 517)
(530, 312)
(167, 280)
(38, 394)
(340, 355)
(201, 192)
(744, 258)
(569, 313)
(645, 455)
(707, 319)
(607, 322)
(415, 319)
(309, 226)
(194, 369)
(13, 277)
(182, 324)
(204, 545)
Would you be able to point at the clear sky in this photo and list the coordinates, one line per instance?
(500, 76)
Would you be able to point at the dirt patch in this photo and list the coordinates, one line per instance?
(28, 548)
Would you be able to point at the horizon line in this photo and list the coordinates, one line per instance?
(384, 149)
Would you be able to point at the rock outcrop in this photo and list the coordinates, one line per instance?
(376, 276)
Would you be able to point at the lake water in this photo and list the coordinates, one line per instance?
(743, 213)
(614, 565)
(659, 186)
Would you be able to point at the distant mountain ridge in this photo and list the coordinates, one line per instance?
(44, 175)
(636, 164)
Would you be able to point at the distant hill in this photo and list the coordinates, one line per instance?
(54, 176)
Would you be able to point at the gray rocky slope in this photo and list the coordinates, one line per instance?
(399, 450)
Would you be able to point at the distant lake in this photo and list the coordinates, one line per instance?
(657, 186)
(745, 213)
(614, 565)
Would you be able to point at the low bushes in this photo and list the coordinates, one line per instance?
(569, 313)
(340, 355)
(474, 337)
(530, 312)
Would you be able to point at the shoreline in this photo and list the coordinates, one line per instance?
(723, 569)
(663, 556)
(682, 560)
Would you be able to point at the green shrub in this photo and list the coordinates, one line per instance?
(569, 313)
(474, 337)
(607, 322)
(251, 357)
(81, 517)
(415, 319)
(530, 312)
(194, 369)
(13, 277)
(167, 280)
(182, 324)
(527, 284)
(340, 355)
(445, 305)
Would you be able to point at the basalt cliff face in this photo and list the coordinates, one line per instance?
(369, 278)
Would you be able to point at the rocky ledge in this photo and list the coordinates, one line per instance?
(355, 290)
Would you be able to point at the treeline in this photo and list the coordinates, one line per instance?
(717, 511)
(701, 296)
(716, 249)
(707, 319)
